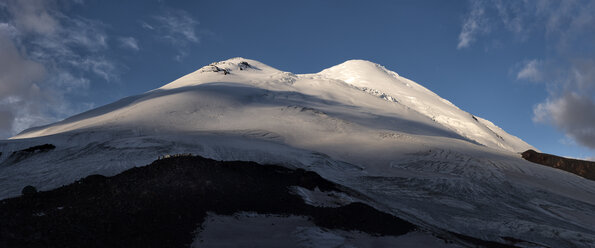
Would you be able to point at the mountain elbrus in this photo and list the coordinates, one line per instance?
(240, 154)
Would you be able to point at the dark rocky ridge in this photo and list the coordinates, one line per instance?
(162, 204)
(582, 168)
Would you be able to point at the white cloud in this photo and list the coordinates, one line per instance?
(531, 71)
(474, 24)
(129, 42)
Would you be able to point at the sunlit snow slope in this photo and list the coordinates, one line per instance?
(353, 88)
(404, 149)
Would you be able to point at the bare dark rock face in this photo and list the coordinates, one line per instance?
(582, 168)
(40, 148)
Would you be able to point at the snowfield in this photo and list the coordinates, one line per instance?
(395, 144)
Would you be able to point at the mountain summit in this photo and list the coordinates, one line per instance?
(355, 86)
(386, 140)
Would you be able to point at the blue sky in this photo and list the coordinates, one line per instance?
(528, 66)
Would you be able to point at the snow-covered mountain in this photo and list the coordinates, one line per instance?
(406, 150)
(354, 87)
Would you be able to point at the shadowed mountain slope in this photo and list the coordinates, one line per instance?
(165, 203)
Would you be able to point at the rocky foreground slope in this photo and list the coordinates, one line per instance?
(167, 203)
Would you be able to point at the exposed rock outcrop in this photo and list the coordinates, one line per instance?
(21, 155)
(582, 168)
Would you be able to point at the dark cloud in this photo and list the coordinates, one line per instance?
(18, 82)
(32, 15)
(572, 113)
(6, 117)
(17, 74)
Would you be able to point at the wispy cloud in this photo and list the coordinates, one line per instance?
(129, 42)
(176, 27)
(46, 56)
(475, 23)
(513, 16)
(76, 43)
(531, 70)
(101, 66)
(146, 26)
(84, 33)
